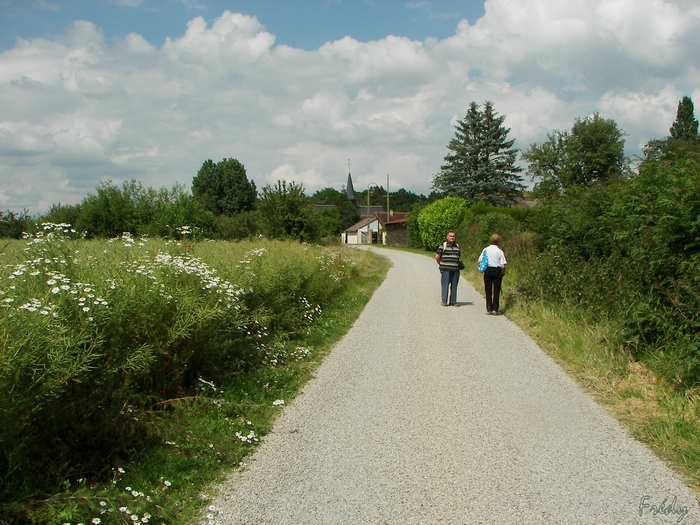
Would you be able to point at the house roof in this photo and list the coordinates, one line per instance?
(397, 217)
(363, 223)
(373, 210)
(393, 217)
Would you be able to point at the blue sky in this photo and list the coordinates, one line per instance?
(305, 24)
(115, 90)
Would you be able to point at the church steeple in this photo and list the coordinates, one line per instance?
(349, 190)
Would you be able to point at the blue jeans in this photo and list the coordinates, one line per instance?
(449, 281)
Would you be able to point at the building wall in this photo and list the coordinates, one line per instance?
(397, 234)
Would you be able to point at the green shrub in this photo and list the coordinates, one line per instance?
(412, 226)
(243, 225)
(482, 221)
(439, 217)
(12, 225)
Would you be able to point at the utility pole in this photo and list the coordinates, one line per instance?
(388, 210)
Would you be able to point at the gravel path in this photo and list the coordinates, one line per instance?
(431, 414)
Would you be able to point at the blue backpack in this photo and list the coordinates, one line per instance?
(484, 261)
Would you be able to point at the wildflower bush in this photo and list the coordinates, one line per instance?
(100, 339)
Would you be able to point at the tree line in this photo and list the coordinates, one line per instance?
(223, 204)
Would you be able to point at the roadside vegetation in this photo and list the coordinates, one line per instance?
(136, 371)
(603, 271)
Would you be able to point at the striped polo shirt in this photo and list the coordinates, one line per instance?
(449, 256)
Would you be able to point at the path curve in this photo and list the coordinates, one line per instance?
(432, 414)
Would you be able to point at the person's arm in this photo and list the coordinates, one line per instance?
(438, 258)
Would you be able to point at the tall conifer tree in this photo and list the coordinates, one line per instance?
(684, 139)
(481, 163)
(686, 125)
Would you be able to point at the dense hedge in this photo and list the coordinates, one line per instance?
(627, 251)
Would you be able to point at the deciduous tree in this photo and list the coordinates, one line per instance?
(343, 215)
(285, 211)
(593, 152)
(224, 188)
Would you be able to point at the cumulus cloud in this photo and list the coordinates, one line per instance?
(79, 109)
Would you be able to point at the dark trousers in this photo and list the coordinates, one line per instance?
(492, 285)
(449, 282)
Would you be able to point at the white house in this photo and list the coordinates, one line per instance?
(367, 231)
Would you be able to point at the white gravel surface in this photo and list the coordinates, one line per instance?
(432, 414)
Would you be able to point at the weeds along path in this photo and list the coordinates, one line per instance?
(431, 414)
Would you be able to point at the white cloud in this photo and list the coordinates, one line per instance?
(80, 109)
(287, 172)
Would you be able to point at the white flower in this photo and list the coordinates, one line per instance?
(278, 402)
(55, 290)
(96, 521)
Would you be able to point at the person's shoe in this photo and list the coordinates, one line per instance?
(489, 312)
(497, 312)
(454, 304)
(444, 304)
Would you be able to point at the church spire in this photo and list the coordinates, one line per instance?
(349, 190)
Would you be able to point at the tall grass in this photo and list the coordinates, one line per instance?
(107, 343)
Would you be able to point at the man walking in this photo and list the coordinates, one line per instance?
(447, 257)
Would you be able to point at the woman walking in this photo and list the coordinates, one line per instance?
(495, 271)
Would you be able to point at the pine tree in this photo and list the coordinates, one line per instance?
(481, 165)
(686, 125)
(684, 139)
